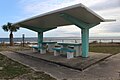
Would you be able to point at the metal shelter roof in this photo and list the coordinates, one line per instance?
(53, 19)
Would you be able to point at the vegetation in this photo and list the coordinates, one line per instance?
(10, 28)
(105, 48)
(15, 48)
(10, 69)
(94, 47)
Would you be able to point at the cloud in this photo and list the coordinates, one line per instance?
(34, 7)
(106, 29)
(111, 14)
(106, 4)
(105, 8)
(108, 9)
(112, 28)
(64, 31)
(74, 34)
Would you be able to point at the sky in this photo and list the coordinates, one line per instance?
(17, 10)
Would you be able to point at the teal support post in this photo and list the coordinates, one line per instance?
(85, 42)
(40, 40)
(84, 29)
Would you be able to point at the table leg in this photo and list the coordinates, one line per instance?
(64, 46)
(42, 51)
(50, 47)
(78, 50)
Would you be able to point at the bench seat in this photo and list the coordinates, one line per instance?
(64, 49)
(57, 49)
(70, 52)
(42, 49)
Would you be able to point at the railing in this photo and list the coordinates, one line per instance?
(67, 40)
(90, 40)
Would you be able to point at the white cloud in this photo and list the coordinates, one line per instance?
(64, 31)
(35, 7)
(111, 14)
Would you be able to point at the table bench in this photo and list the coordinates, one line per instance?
(49, 45)
(46, 46)
(75, 46)
(70, 52)
(42, 49)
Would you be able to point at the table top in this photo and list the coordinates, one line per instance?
(72, 44)
(46, 42)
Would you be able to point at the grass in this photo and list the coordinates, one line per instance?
(105, 48)
(110, 48)
(14, 70)
(11, 68)
(14, 48)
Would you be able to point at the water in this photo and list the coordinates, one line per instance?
(78, 40)
(19, 40)
(64, 39)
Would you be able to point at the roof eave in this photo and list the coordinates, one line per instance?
(109, 20)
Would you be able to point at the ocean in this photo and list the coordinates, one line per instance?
(63, 39)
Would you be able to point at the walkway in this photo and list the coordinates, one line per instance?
(108, 69)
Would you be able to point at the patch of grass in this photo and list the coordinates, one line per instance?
(11, 68)
(37, 76)
(14, 48)
(111, 49)
(15, 70)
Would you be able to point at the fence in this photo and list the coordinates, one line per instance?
(90, 40)
(34, 40)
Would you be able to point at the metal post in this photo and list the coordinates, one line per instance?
(111, 40)
(85, 42)
(40, 40)
(23, 39)
(100, 41)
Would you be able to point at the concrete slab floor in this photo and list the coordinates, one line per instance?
(78, 63)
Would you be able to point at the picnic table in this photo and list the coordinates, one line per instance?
(49, 45)
(46, 46)
(71, 49)
(75, 46)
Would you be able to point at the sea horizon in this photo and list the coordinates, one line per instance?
(63, 39)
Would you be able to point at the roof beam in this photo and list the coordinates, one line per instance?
(30, 27)
(36, 29)
(77, 22)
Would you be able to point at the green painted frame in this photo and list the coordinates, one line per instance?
(39, 31)
(84, 31)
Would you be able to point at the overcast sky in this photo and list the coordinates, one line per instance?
(17, 10)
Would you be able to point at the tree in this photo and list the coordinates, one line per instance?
(10, 28)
